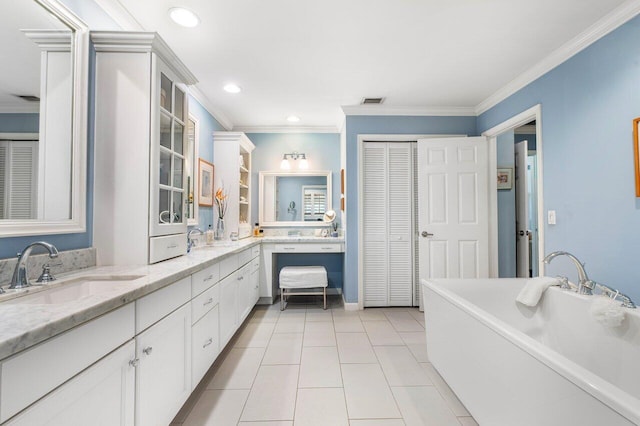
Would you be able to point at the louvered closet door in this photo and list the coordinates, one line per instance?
(18, 179)
(387, 224)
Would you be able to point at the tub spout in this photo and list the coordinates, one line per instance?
(585, 285)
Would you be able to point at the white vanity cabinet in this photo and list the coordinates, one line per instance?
(228, 308)
(232, 156)
(140, 193)
(102, 394)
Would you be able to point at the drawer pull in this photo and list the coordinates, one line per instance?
(207, 343)
(327, 248)
(172, 246)
(134, 362)
(240, 278)
(208, 302)
(209, 278)
(148, 350)
(289, 248)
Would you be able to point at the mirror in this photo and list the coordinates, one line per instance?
(43, 119)
(294, 198)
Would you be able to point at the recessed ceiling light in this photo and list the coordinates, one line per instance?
(232, 88)
(184, 17)
(293, 119)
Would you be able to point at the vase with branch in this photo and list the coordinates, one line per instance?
(221, 199)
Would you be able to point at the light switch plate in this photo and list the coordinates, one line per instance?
(551, 217)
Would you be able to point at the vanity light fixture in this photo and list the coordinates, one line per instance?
(293, 119)
(184, 17)
(232, 88)
(284, 165)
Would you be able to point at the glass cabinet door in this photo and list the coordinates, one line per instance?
(172, 138)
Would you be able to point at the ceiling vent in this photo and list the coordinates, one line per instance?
(367, 101)
(29, 98)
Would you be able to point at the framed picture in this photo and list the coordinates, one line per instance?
(205, 175)
(636, 153)
(505, 178)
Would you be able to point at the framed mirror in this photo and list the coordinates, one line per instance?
(294, 198)
(43, 119)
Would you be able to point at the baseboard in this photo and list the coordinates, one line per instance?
(350, 306)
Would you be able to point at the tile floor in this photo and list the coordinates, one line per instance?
(307, 366)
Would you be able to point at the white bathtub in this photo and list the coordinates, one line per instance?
(515, 366)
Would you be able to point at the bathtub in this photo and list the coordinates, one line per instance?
(511, 365)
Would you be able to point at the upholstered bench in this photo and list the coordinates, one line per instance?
(298, 277)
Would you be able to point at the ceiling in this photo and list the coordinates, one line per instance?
(311, 58)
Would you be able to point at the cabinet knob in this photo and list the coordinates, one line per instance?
(134, 362)
(148, 350)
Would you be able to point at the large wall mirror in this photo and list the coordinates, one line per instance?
(43, 119)
(294, 199)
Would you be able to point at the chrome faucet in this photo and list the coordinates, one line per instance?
(190, 242)
(585, 285)
(20, 275)
(616, 295)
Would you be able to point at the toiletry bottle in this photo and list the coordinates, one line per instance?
(209, 235)
(256, 230)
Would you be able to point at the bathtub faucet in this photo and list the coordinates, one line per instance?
(585, 285)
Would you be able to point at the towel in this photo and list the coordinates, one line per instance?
(532, 291)
(607, 311)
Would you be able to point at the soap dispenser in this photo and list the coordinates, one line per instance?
(209, 235)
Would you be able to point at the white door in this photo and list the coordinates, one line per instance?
(522, 211)
(453, 207)
(388, 224)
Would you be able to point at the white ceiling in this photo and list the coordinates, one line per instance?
(310, 58)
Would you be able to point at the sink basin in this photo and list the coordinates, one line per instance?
(74, 289)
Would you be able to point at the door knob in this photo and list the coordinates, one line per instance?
(426, 234)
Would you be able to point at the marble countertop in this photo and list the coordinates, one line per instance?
(26, 324)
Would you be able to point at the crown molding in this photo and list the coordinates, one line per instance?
(217, 114)
(604, 26)
(120, 15)
(286, 129)
(407, 110)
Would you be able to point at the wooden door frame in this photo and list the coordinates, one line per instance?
(533, 113)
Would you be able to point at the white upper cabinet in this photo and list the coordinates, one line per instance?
(140, 194)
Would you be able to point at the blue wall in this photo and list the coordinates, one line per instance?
(506, 210)
(323, 153)
(588, 104)
(20, 123)
(356, 125)
(206, 126)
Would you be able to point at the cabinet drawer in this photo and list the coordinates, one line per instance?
(255, 251)
(155, 306)
(228, 265)
(204, 303)
(255, 264)
(204, 345)
(308, 248)
(163, 248)
(31, 374)
(244, 257)
(202, 280)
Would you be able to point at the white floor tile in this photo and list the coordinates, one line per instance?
(404, 321)
(217, 407)
(378, 422)
(255, 335)
(321, 407)
(290, 325)
(414, 337)
(319, 334)
(450, 397)
(348, 324)
(423, 405)
(260, 314)
(400, 367)
(372, 314)
(265, 424)
(273, 395)
(320, 368)
(355, 348)
(367, 393)
(382, 333)
(238, 370)
(319, 315)
(284, 348)
(419, 352)
(417, 315)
